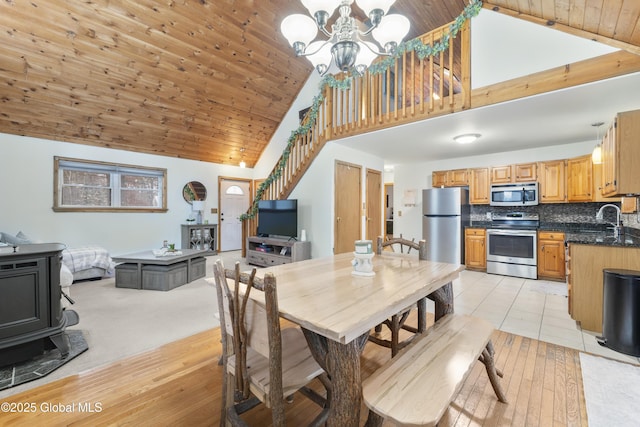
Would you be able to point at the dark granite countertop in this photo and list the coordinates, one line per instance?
(586, 234)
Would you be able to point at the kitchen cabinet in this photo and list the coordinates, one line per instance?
(501, 174)
(585, 280)
(475, 252)
(551, 255)
(450, 178)
(522, 172)
(438, 179)
(479, 186)
(629, 205)
(525, 172)
(457, 178)
(551, 176)
(580, 179)
(621, 155)
(598, 188)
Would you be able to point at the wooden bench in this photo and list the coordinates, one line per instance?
(416, 387)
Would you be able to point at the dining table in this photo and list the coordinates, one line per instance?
(336, 308)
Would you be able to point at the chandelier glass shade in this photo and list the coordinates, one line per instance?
(346, 45)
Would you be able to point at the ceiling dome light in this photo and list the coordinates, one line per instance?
(467, 138)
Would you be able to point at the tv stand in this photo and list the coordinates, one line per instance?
(268, 251)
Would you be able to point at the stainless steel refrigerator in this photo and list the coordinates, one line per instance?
(445, 215)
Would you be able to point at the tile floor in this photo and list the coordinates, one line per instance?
(531, 308)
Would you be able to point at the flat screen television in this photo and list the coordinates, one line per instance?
(278, 218)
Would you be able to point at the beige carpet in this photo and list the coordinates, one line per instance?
(118, 323)
(611, 391)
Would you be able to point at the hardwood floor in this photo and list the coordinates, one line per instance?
(179, 384)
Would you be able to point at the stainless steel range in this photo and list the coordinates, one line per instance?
(512, 244)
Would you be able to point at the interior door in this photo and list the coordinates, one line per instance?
(374, 204)
(234, 201)
(348, 196)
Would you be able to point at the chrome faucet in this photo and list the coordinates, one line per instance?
(617, 227)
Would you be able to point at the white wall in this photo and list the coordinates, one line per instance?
(504, 47)
(316, 196)
(26, 196)
(408, 219)
(289, 123)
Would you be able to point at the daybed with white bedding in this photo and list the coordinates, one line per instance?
(88, 262)
(83, 263)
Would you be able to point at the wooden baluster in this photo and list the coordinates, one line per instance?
(465, 56)
(441, 82)
(395, 89)
(405, 75)
(452, 51)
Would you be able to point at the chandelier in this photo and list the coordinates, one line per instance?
(347, 45)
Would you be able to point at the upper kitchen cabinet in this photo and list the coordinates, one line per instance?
(621, 156)
(551, 176)
(450, 178)
(580, 179)
(501, 174)
(458, 178)
(438, 179)
(525, 172)
(598, 187)
(479, 186)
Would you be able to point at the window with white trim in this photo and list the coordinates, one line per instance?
(83, 185)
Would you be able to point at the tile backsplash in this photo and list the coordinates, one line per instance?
(583, 213)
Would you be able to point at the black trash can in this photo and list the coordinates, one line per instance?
(621, 311)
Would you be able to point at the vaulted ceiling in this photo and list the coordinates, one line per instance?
(207, 80)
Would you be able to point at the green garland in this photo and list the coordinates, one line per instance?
(312, 117)
(423, 51)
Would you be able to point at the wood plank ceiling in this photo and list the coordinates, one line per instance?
(208, 80)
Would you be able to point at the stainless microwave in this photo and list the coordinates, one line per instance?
(517, 194)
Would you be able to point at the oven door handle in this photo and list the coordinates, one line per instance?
(513, 232)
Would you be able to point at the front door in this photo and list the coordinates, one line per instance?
(347, 220)
(234, 201)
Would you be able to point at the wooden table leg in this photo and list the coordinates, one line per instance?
(422, 315)
(443, 299)
(342, 364)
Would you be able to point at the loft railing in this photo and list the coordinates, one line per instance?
(409, 90)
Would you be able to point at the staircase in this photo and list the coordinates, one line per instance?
(407, 90)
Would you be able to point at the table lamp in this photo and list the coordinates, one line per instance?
(198, 206)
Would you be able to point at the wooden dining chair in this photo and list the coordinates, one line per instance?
(262, 362)
(398, 321)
